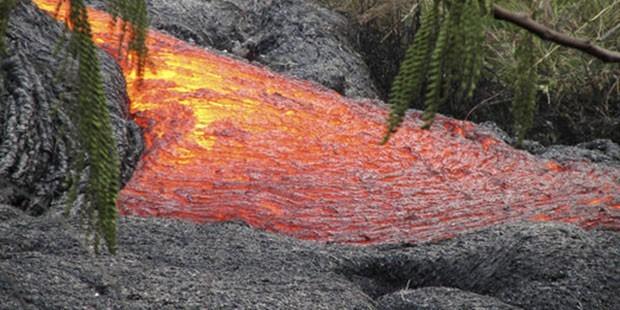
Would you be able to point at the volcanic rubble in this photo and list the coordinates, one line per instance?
(45, 261)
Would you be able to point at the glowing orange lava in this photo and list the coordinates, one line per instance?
(227, 140)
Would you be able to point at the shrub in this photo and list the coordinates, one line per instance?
(578, 97)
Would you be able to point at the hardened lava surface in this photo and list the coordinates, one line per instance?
(226, 140)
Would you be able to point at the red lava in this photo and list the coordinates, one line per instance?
(227, 140)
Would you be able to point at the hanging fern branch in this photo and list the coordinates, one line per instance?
(473, 31)
(92, 115)
(436, 77)
(133, 17)
(454, 68)
(409, 83)
(443, 61)
(96, 134)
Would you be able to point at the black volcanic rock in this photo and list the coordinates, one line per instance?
(294, 37)
(598, 151)
(528, 265)
(602, 151)
(174, 264)
(37, 132)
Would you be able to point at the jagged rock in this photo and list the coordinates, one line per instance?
(492, 129)
(598, 151)
(37, 134)
(299, 38)
(527, 265)
(533, 147)
(8, 212)
(171, 264)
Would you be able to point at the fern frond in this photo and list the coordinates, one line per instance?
(409, 83)
(96, 134)
(473, 29)
(444, 60)
(436, 79)
(133, 16)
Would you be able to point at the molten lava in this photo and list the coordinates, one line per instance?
(227, 140)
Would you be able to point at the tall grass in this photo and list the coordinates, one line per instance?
(578, 96)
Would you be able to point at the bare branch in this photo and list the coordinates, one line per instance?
(524, 21)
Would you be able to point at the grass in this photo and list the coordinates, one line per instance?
(578, 97)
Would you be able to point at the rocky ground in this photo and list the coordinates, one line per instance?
(45, 261)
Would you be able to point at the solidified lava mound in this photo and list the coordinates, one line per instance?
(38, 136)
(166, 264)
(230, 141)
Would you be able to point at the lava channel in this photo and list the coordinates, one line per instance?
(227, 140)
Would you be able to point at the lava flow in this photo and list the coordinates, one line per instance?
(227, 140)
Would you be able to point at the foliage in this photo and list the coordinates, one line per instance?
(443, 61)
(91, 110)
(577, 97)
(96, 134)
(524, 101)
(409, 83)
(134, 23)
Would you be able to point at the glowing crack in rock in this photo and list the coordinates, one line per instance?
(226, 140)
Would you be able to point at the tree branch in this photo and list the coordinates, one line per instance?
(524, 21)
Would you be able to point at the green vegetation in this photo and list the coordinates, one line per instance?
(443, 61)
(134, 20)
(577, 97)
(95, 132)
(91, 112)
(524, 100)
